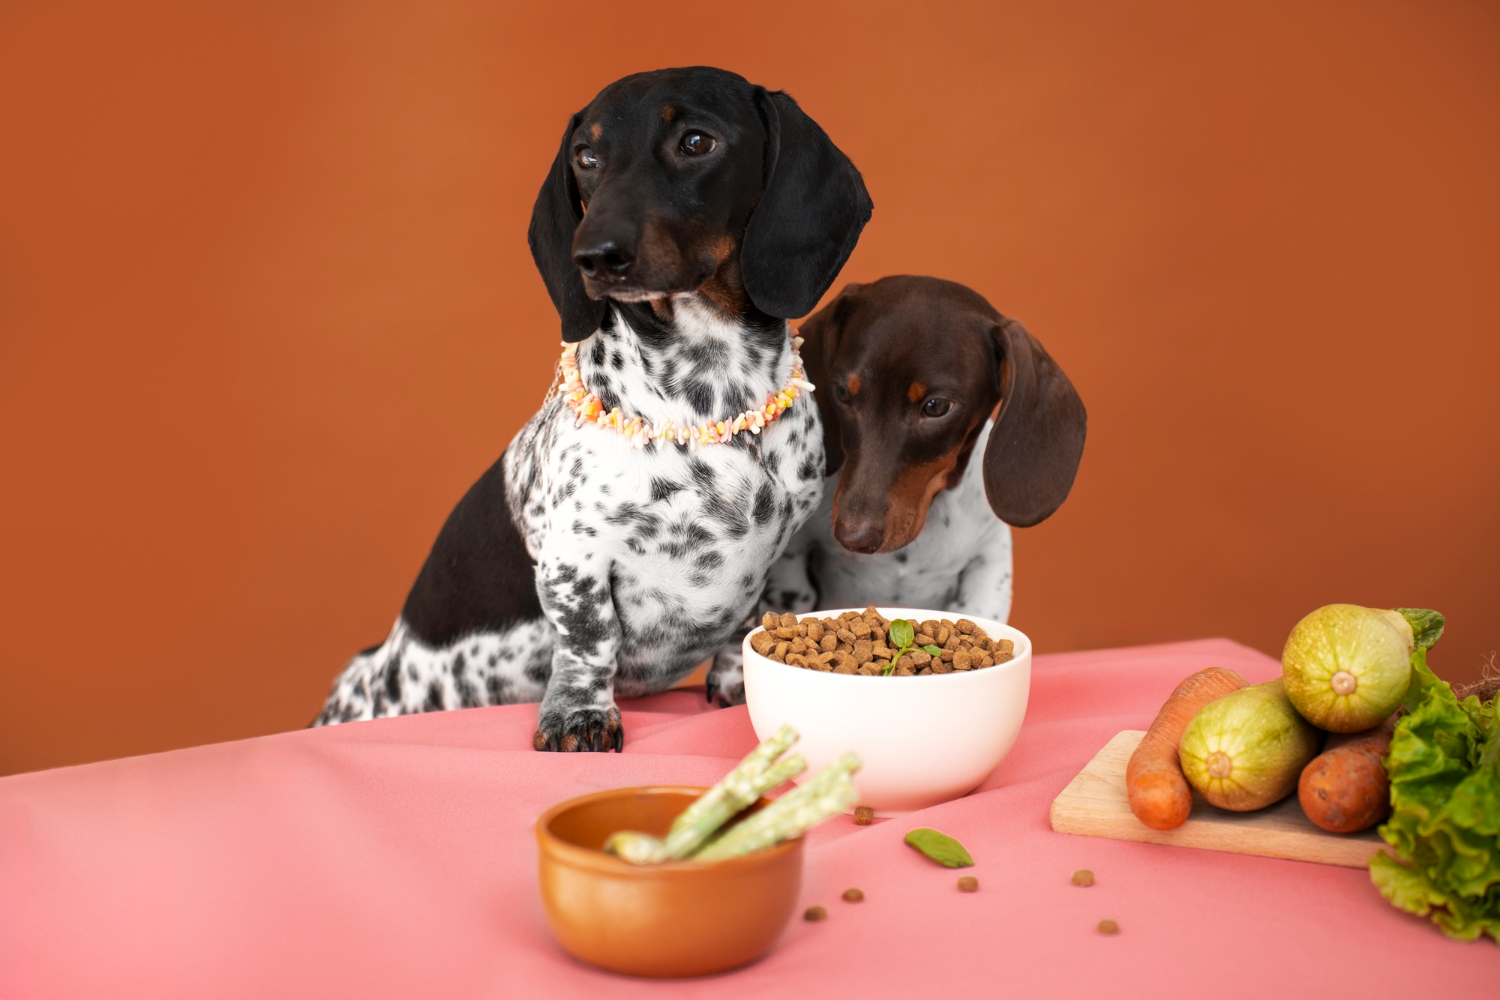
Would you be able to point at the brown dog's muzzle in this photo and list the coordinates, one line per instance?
(858, 528)
(884, 509)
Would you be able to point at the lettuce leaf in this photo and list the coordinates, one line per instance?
(1444, 765)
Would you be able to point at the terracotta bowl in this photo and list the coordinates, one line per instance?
(670, 920)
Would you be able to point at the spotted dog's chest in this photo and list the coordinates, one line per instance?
(686, 536)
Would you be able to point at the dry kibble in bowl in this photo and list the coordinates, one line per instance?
(862, 643)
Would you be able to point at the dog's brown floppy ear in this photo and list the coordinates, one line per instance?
(1037, 440)
(554, 218)
(809, 216)
(820, 335)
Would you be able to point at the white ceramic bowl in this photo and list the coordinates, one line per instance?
(923, 740)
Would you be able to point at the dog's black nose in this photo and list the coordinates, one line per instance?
(604, 261)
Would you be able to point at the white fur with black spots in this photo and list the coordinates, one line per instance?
(646, 560)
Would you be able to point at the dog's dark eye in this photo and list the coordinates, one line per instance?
(935, 407)
(586, 158)
(696, 144)
(840, 393)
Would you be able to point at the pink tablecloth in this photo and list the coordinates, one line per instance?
(395, 859)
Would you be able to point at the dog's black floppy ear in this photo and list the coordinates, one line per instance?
(809, 216)
(554, 218)
(821, 333)
(1037, 440)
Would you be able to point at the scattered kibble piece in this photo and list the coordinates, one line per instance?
(968, 883)
(1083, 878)
(853, 896)
(814, 914)
(1108, 927)
(863, 815)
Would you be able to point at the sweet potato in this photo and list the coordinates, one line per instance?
(1345, 788)
(1159, 794)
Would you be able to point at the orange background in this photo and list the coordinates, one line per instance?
(266, 309)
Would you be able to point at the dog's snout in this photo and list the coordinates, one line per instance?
(860, 535)
(606, 260)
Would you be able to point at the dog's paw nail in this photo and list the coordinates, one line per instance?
(586, 730)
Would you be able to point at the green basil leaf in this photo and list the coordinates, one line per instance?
(940, 847)
(902, 632)
(933, 650)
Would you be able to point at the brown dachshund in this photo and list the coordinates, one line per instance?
(915, 376)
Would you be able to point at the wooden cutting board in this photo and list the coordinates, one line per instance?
(1095, 804)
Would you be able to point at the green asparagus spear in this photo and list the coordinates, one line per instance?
(681, 843)
(755, 835)
(738, 789)
(830, 791)
(635, 847)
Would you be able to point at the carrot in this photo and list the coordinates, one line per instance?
(1159, 794)
(1345, 788)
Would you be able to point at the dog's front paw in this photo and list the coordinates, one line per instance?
(727, 691)
(580, 729)
(725, 682)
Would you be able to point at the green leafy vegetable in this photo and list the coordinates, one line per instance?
(1426, 626)
(940, 847)
(1444, 766)
(903, 633)
(933, 650)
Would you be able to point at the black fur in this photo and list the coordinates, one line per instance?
(809, 218)
(554, 217)
(478, 576)
(790, 200)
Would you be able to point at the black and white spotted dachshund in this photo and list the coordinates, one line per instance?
(687, 216)
(909, 372)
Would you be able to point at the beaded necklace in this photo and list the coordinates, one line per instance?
(590, 410)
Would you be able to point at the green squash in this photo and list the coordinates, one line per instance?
(1246, 750)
